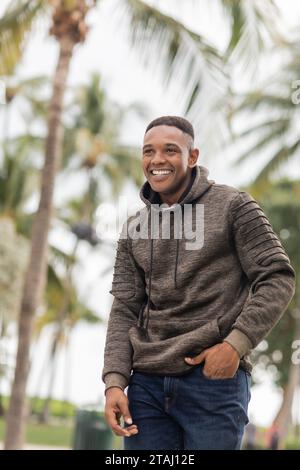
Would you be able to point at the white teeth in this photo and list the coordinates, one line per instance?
(161, 172)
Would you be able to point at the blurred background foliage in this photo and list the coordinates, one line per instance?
(71, 132)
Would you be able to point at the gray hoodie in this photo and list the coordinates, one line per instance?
(173, 299)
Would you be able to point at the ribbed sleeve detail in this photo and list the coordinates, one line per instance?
(260, 241)
(123, 284)
(267, 266)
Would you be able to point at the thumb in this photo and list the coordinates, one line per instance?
(197, 359)
(125, 411)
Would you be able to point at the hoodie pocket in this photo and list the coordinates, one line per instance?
(167, 356)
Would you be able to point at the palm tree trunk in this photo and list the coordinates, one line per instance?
(36, 272)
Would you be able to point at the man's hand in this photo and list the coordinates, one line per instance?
(221, 361)
(116, 406)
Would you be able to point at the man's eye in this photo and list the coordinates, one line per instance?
(171, 150)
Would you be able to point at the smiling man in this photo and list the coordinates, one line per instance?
(170, 177)
(184, 320)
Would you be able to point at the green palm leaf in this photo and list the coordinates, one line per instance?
(165, 43)
(283, 155)
(274, 131)
(14, 26)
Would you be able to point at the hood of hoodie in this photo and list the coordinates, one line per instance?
(198, 185)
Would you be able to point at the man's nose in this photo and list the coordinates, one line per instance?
(158, 158)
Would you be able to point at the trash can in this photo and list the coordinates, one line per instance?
(91, 431)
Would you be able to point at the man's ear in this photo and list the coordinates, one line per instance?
(193, 157)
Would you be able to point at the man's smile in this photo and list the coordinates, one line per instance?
(160, 174)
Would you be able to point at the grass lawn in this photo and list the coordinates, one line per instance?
(59, 435)
(51, 435)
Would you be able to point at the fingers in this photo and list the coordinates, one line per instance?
(113, 421)
(124, 409)
(217, 374)
(197, 359)
(114, 410)
(131, 430)
(209, 373)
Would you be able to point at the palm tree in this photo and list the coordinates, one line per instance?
(92, 142)
(14, 253)
(17, 183)
(64, 311)
(69, 28)
(274, 109)
(18, 178)
(14, 88)
(14, 25)
(164, 41)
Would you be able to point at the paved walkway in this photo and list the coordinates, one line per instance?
(39, 447)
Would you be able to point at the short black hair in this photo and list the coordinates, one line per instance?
(175, 121)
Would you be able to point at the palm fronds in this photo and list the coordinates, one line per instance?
(166, 43)
(15, 25)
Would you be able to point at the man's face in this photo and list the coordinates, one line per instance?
(167, 158)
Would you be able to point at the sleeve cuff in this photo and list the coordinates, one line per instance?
(113, 379)
(239, 341)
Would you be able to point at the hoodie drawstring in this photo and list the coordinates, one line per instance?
(176, 263)
(147, 304)
(150, 280)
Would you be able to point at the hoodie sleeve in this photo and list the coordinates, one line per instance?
(128, 289)
(268, 268)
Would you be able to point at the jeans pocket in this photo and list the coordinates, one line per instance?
(227, 380)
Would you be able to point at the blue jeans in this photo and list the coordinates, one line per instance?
(188, 411)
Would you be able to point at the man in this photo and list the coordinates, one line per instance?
(185, 314)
